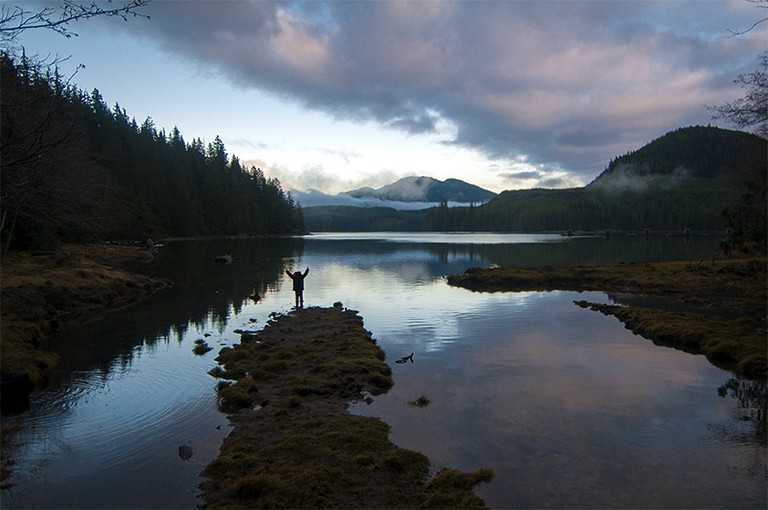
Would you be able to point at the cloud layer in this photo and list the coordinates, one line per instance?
(559, 87)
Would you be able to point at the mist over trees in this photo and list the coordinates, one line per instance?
(74, 169)
(685, 179)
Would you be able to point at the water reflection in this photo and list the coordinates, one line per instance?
(567, 406)
(129, 390)
(569, 411)
(487, 249)
(752, 397)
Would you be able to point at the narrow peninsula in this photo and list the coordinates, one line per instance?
(294, 443)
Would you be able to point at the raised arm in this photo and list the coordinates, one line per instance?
(306, 273)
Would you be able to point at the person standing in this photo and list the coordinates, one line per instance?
(298, 286)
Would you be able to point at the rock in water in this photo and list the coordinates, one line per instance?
(185, 452)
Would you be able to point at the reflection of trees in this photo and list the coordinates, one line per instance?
(206, 291)
(206, 294)
(752, 397)
(203, 296)
(590, 251)
(442, 258)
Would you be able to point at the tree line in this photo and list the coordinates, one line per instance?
(697, 207)
(697, 178)
(73, 170)
(697, 151)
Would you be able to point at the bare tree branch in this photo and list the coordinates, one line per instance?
(735, 33)
(15, 20)
(751, 109)
(761, 4)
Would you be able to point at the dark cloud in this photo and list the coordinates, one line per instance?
(565, 85)
(426, 122)
(511, 176)
(555, 182)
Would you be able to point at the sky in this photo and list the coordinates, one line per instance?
(333, 96)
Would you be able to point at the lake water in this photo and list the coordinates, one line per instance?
(570, 409)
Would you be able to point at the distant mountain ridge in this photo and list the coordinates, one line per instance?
(683, 180)
(426, 189)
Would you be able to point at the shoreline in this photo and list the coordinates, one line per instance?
(294, 444)
(42, 290)
(725, 302)
(286, 388)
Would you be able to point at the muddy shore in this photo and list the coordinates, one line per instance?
(712, 307)
(39, 291)
(42, 290)
(294, 444)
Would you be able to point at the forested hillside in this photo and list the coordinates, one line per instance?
(696, 151)
(686, 179)
(343, 218)
(74, 169)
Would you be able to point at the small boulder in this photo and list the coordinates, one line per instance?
(185, 452)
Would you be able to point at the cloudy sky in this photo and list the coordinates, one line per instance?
(337, 95)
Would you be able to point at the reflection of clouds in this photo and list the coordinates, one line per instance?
(455, 238)
(567, 406)
(580, 352)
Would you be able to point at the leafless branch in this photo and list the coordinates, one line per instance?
(15, 20)
(761, 4)
(735, 33)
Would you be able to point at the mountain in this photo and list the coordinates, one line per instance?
(426, 189)
(685, 179)
(695, 152)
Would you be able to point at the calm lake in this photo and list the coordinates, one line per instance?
(570, 409)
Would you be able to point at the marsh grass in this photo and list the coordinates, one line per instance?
(201, 347)
(736, 345)
(303, 449)
(422, 401)
(39, 291)
(452, 489)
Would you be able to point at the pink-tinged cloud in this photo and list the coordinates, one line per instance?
(567, 85)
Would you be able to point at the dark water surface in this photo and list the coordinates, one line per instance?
(570, 409)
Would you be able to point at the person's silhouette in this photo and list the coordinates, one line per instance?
(298, 286)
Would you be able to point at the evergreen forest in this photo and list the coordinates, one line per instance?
(76, 170)
(698, 178)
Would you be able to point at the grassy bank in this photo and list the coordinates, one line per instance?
(724, 303)
(39, 291)
(294, 445)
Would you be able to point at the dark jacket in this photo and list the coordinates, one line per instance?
(298, 279)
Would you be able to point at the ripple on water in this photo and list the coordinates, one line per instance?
(132, 417)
